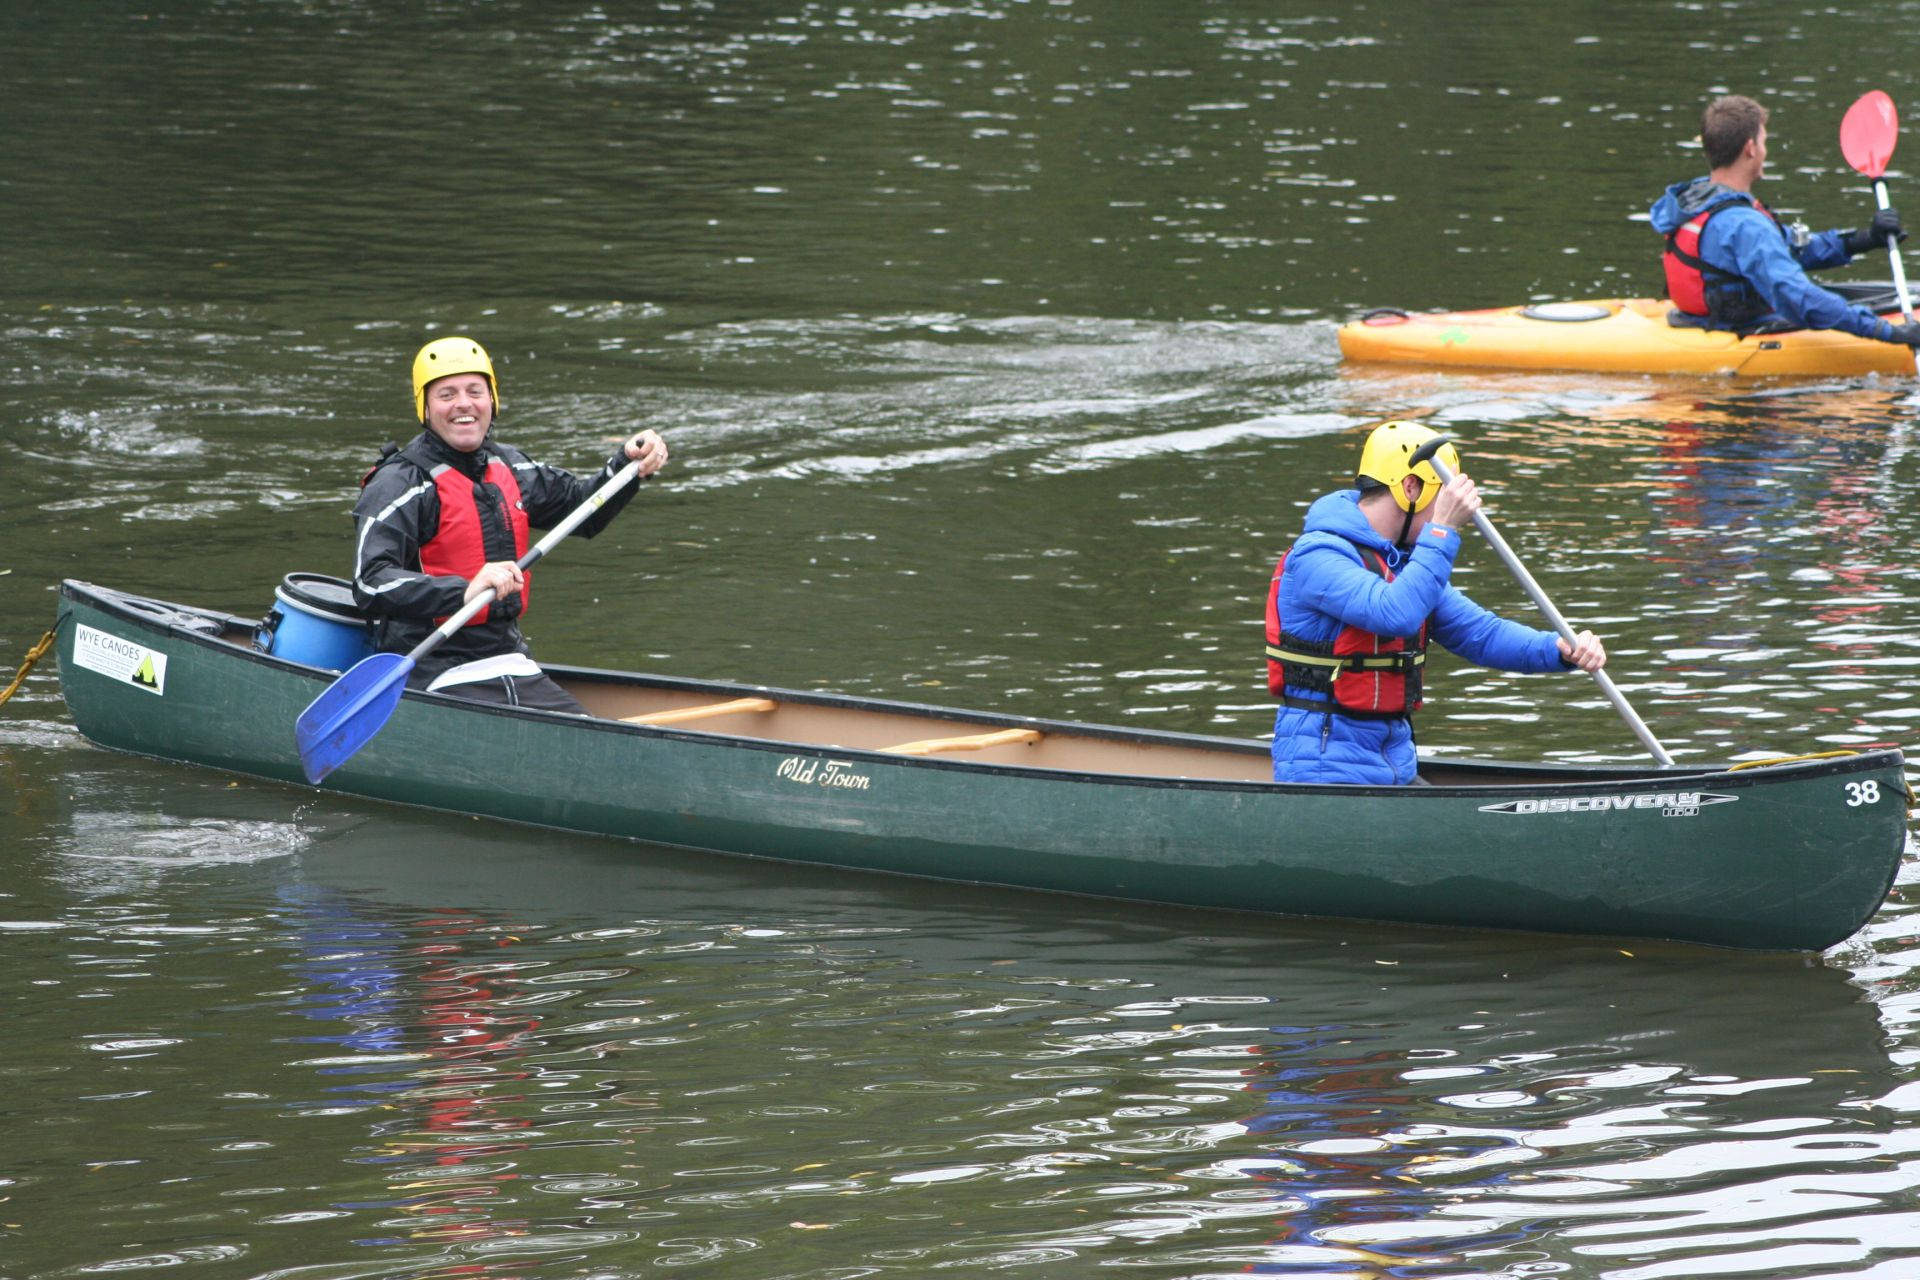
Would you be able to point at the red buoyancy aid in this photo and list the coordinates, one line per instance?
(1688, 274)
(459, 547)
(1366, 675)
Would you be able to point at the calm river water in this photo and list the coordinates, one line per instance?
(995, 345)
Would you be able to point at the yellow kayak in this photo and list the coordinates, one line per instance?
(1620, 335)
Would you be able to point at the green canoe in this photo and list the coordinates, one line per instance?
(1790, 856)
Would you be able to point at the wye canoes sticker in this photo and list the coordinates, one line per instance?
(1669, 804)
(119, 659)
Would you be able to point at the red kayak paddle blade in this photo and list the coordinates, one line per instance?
(1868, 132)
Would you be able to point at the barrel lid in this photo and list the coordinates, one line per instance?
(318, 593)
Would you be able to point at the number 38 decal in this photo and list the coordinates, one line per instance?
(1859, 793)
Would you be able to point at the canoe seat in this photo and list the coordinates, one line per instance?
(681, 715)
(969, 742)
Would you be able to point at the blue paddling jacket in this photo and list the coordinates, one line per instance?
(1761, 269)
(1327, 587)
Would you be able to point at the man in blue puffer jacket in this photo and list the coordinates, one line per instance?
(1354, 604)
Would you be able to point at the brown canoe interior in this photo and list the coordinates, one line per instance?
(960, 739)
(956, 737)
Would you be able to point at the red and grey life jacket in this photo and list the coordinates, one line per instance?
(480, 522)
(1368, 676)
(1697, 287)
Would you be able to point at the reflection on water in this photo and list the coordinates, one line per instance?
(464, 1047)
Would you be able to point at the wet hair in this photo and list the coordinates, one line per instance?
(1727, 126)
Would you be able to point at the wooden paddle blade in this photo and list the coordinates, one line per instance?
(1868, 132)
(350, 712)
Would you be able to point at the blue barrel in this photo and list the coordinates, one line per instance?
(316, 622)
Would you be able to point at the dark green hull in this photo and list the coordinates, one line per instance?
(1787, 857)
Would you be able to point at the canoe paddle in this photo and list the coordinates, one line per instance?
(1867, 134)
(355, 707)
(1427, 453)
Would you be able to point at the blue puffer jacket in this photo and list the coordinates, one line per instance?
(1326, 586)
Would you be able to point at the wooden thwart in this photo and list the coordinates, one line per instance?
(970, 742)
(681, 715)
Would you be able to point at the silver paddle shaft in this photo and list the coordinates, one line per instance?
(1552, 615)
(1893, 255)
(595, 500)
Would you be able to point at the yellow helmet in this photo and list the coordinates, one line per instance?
(1384, 461)
(444, 357)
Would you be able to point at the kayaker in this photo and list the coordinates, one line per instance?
(447, 516)
(1355, 603)
(1730, 262)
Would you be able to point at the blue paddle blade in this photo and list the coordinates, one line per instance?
(354, 708)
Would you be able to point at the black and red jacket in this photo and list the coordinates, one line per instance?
(430, 516)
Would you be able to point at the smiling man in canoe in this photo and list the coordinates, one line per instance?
(1731, 264)
(446, 518)
(1354, 604)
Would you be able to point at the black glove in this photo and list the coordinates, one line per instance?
(1875, 235)
(1908, 333)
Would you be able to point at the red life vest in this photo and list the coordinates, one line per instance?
(1700, 289)
(459, 547)
(1369, 676)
